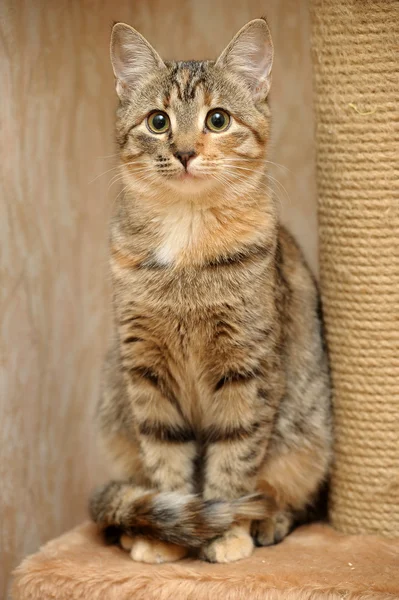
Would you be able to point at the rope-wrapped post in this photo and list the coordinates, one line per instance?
(356, 97)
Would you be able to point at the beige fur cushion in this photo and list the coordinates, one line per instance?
(313, 563)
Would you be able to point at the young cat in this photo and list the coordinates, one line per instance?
(216, 400)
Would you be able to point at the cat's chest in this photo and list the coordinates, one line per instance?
(179, 232)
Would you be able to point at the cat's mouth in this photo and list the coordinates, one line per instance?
(191, 173)
(188, 181)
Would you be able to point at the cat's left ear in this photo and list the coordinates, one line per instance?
(250, 55)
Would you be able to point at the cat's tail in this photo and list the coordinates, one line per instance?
(186, 520)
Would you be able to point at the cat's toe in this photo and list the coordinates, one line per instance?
(126, 542)
(234, 545)
(155, 551)
(272, 531)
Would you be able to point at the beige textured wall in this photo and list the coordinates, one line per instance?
(56, 120)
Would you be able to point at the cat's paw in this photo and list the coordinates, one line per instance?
(126, 542)
(272, 531)
(233, 545)
(152, 551)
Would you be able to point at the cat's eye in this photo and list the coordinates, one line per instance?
(217, 120)
(158, 122)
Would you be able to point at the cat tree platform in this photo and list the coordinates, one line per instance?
(313, 563)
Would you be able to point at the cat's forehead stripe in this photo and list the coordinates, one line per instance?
(185, 78)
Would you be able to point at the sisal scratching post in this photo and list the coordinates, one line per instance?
(356, 81)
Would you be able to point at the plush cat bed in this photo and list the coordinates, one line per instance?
(313, 563)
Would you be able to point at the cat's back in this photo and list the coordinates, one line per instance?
(294, 274)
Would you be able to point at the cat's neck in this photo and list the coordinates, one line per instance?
(189, 232)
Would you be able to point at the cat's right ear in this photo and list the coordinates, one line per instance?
(132, 58)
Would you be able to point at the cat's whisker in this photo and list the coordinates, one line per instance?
(121, 177)
(229, 179)
(115, 179)
(280, 187)
(223, 178)
(109, 156)
(270, 177)
(104, 173)
(120, 166)
(120, 193)
(127, 186)
(261, 160)
(252, 185)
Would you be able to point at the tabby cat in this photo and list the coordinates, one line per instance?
(215, 409)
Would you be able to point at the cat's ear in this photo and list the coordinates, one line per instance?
(250, 55)
(132, 57)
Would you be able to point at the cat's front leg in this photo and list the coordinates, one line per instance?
(227, 476)
(235, 544)
(165, 439)
(168, 463)
(236, 444)
(168, 455)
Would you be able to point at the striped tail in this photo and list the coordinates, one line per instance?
(186, 520)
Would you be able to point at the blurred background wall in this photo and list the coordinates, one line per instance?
(57, 103)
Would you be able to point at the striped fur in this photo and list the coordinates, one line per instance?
(216, 396)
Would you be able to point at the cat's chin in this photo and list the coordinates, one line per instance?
(191, 185)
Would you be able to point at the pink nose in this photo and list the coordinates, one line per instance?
(185, 157)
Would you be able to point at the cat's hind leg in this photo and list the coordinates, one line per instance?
(296, 476)
(273, 530)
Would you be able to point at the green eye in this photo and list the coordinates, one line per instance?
(158, 122)
(217, 120)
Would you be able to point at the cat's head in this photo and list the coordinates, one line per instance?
(193, 128)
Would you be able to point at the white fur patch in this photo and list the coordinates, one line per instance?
(180, 228)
